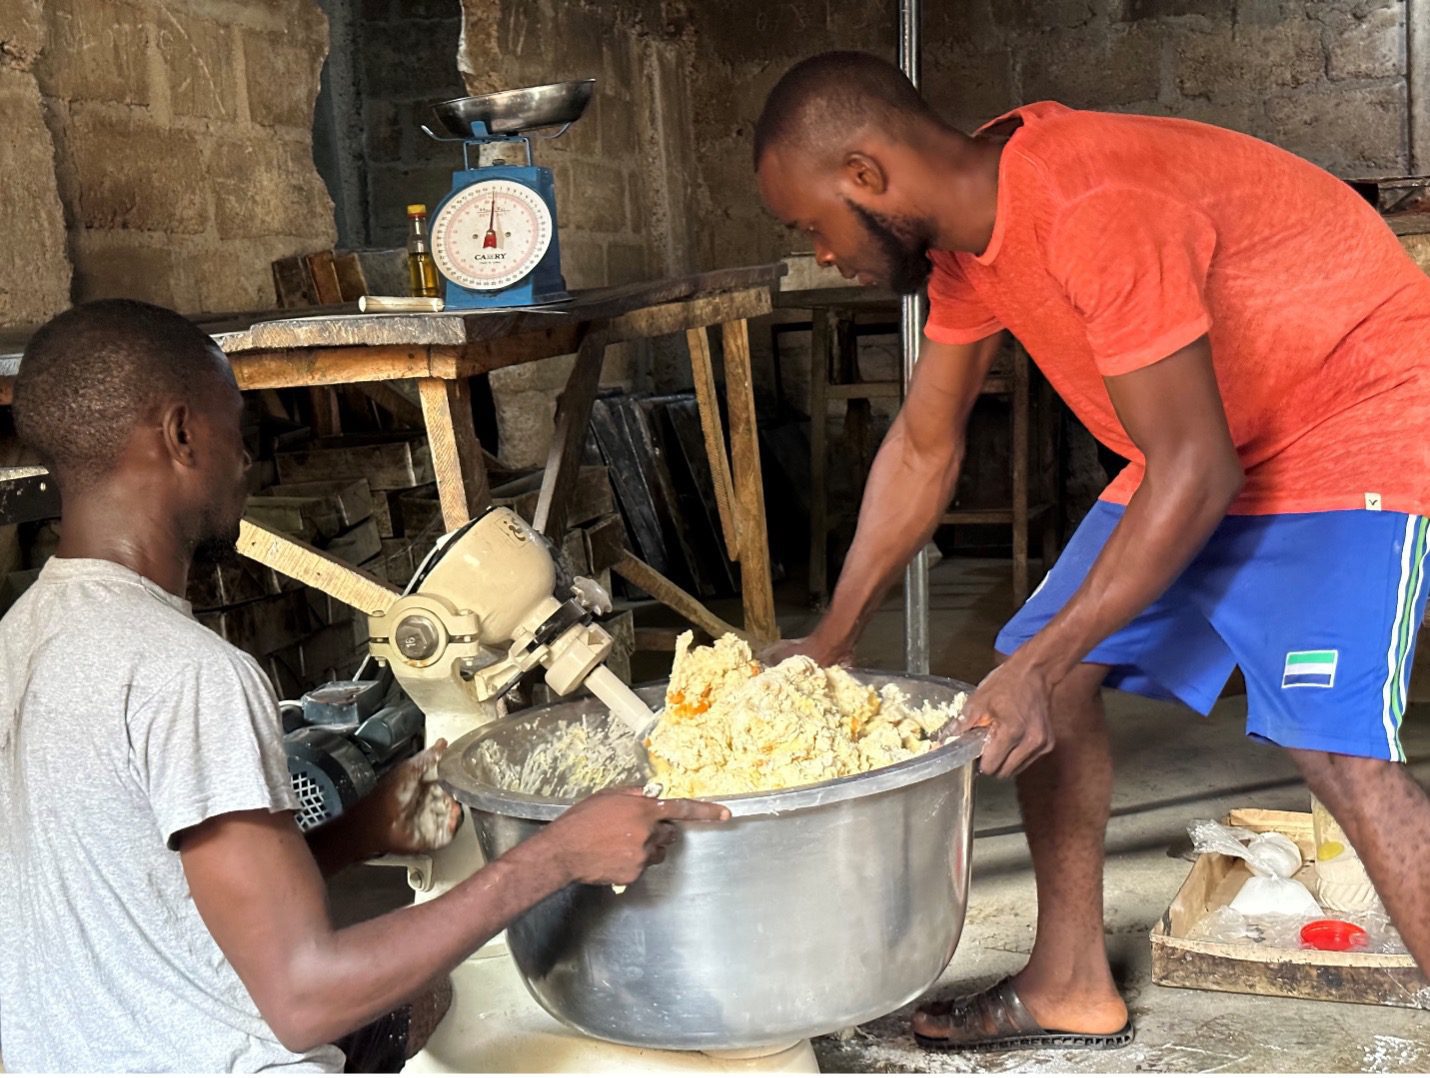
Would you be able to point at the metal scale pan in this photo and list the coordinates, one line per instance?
(510, 112)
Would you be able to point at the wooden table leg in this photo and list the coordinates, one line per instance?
(756, 585)
(702, 369)
(1021, 402)
(821, 338)
(457, 459)
(573, 417)
(670, 594)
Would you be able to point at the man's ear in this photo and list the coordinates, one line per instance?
(177, 429)
(863, 173)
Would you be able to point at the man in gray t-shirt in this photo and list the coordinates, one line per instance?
(159, 908)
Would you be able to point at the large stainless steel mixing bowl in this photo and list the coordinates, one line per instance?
(811, 910)
(513, 111)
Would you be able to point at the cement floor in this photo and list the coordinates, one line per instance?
(1173, 767)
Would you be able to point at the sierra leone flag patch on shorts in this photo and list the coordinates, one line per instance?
(1310, 669)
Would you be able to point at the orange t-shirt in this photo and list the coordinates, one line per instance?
(1121, 239)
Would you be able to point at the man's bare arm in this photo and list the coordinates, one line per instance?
(1172, 411)
(262, 897)
(909, 487)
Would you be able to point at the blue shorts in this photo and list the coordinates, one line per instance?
(1320, 611)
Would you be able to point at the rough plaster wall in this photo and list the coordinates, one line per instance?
(34, 273)
(1323, 78)
(624, 173)
(177, 136)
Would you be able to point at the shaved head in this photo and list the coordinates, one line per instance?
(92, 374)
(821, 102)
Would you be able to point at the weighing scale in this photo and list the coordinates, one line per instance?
(494, 235)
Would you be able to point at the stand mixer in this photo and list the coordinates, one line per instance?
(490, 603)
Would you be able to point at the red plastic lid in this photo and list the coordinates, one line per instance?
(1334, 936)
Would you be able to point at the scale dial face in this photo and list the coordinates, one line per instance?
(490, 235)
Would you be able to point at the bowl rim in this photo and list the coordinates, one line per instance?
(952, 754)
(582, 88)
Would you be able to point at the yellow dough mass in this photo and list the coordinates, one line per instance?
(733, 726)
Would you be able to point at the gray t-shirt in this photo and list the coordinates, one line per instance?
(122, 722)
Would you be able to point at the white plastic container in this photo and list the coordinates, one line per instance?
(1342, 884)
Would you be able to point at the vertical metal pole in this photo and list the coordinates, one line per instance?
(1417, 70)
(911, 324)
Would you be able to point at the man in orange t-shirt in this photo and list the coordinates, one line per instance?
(1246, 331)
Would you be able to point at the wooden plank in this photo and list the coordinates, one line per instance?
(656, 639)
(212, 586)
(420, 511)
(329, 366)
(457, 462)
(324, 655)
(315, 568)
(357, 545)
(325, 277)
(632, 489)
(263, 625)
(865, 391)
(702, 369)
(756, 584)
(622, 627)
(352, 282)
(388, 464)
(642, 416)
(821, 352)
(493, 353)
(573, 553)
(399, 560)
(606, 543)
(991, 516)
(292, 285)
(573, 418)
(350, 499)
(690, 314)
(292, 516)
(666, 592)
(683, 446)
(395, 404)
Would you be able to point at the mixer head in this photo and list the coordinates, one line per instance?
(492, 603)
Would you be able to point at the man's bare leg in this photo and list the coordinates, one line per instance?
(1386, 815)
(1066, 797)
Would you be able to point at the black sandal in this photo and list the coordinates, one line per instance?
(995, 1020)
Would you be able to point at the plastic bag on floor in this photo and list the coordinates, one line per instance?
(1272, 858)
(1225, 925)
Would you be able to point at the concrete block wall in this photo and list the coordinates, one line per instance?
(34, 272)
(176, 139)
(625, 172)
(407, 60)
(1323, 78)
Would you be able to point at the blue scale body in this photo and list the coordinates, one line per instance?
(544, 284)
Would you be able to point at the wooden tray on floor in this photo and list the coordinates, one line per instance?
(1386, 979)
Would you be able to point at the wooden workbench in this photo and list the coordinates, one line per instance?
(441, 351)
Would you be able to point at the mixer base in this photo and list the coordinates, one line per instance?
(495, 1025)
